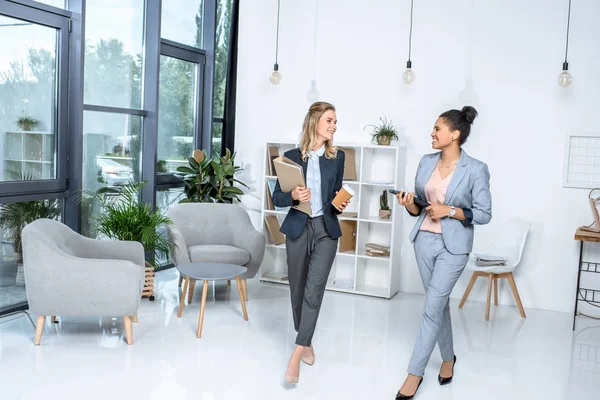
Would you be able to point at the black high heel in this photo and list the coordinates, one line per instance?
(403, 396)
(445, 381)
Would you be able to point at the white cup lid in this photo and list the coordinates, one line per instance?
(348, 189)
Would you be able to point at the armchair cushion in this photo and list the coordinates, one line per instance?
(219, 254)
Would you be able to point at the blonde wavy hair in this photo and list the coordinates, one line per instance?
(309, 130)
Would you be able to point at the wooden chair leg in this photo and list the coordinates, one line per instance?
(495, 291)
(489, 297)
(135, 318)
(182, 301)
(128, 330)
(240, 286)
(180, 279)
(468, 290)
(53, 319)
(192, 287)
(245, 289)
(39, 329)
(513, 286)
(228, 282)
(202, 306)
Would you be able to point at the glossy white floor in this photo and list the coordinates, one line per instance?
(362, 345)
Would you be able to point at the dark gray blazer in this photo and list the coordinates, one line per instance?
(469, 189)
(332, 173)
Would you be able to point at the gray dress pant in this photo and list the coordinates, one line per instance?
(439, 271)
(309, 259)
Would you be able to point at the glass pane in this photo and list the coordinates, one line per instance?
(176, 113)
(54, 3)
(217, 137)
(113, 52)
(112, 154)
(13, 217)
(28, 76)
(164, 199)
(222, 50)
(181, 21)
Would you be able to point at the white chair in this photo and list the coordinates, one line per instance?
(509, 244)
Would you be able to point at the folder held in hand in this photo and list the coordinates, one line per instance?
(290, 176)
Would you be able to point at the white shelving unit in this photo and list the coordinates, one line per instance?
(353, 271)
(30, 153)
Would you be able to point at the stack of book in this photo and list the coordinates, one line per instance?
(377, 250)
(486, 260)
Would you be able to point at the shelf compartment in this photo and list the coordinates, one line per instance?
(372, 277)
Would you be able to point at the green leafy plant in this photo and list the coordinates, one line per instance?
(384, 133)
(27, 123)
(383, 201)
(127, 218)
(161, 166)
(210, 180)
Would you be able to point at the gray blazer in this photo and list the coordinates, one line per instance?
(469, 189)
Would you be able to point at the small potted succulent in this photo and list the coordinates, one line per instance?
(384, 208)
(384, 133)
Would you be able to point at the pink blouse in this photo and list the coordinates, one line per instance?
(435, 190)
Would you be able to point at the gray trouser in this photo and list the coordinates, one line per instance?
(439, 271)
(309, 259)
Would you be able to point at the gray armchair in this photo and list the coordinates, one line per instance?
(68, 274)
(219, 233)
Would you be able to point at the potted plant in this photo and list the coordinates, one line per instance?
(129, 219)
(384, 133)
(14, 217)
(27, 123)
(161, 166)
(384, 209)
(210, 180)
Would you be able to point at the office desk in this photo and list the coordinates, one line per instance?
(582, 294)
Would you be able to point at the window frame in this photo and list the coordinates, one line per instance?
(197, 56)
(61, 23)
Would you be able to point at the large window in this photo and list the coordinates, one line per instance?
(128, 103)
(34, 55)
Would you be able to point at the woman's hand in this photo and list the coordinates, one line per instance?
(342, 205)
(301, 193)
(438, 211)
(405, 200)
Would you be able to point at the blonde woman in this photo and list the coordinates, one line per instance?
(311, 240)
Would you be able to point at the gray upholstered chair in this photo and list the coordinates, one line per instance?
(218, 233)
(68, 274)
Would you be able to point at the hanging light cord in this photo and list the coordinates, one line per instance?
(277, 38)
(410, 34)
(568, 24)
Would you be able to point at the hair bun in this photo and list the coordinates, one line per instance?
(470, 113)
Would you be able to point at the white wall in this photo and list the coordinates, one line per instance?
(513, 51)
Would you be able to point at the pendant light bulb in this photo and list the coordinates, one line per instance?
(275, 77)
(565, 78)
(409, 75)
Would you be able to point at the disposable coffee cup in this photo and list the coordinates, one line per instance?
(345, 194)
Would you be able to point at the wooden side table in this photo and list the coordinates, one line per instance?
(585, 294)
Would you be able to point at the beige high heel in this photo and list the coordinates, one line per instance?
(292, 378)
(309, 360)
